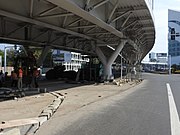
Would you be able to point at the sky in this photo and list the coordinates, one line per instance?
(161, 24)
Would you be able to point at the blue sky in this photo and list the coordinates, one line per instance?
(161, 23)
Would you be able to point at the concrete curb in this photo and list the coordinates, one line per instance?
(31, 125)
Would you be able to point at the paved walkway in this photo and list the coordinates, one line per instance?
(76, 96)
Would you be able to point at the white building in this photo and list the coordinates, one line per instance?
(152, 56)
(71, 60)
(158, 57)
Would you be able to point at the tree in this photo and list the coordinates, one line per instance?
(2, 54)
(10, 56)
(174, 68)
(48, 62)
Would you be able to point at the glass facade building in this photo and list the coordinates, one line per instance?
(174, 36)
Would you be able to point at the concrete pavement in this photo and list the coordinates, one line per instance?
(76, 96)
(141, 110)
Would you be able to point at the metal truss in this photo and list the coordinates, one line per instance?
(73, 24)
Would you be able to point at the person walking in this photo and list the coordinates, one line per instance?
(20, 76)
(35, 77)
(1, 78)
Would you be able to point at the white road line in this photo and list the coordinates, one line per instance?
(174, 118)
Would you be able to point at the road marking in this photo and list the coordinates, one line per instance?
(174, 118)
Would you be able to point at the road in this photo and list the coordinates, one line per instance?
(151, 108)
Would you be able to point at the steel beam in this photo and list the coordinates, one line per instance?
(72, 7)
(112, 12)
(64, 21)
(125, 21)
(54, 15)
(37, 36)
(90, 30)
(15, 30)
(74, 22)
(83, 26)
(138, 8)
(31, 8)
(98, 5)
(42, 24)
(25, 42)
(86, 5)
(132, 23)
(3, 26)
(48, 11)
(57, 38)
(117, 18)
(98, 33)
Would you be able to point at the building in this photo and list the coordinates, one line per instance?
(71, 60)
(174, 36)
(152, 57)
(158, 57)
(157, 62)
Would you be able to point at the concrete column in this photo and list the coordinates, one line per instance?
(108, 72)
(116, 52)
(43, 55)
(107, 63)
(101, 56)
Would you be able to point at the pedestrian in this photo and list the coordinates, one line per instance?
(20, 76)
(35, 77)
(14, 79)
(1, 78)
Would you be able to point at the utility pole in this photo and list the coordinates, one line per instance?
(121, 67)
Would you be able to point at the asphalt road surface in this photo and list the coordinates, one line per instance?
(151, 108)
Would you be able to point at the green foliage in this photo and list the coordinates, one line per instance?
(10, 53)
(37, 53)
(175, 69)
(48, 62)
(177, 72)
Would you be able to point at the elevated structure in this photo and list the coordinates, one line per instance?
(87, 26)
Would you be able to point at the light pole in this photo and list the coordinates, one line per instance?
(5, 58)
(121, 67)
(169, 64)
(5, 48)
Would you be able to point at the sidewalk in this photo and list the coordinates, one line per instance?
(76, 96)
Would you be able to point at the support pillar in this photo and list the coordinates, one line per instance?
(108, 72)
(107, 63)
(43, 55)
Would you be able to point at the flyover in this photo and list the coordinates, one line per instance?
(104, 28)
